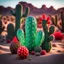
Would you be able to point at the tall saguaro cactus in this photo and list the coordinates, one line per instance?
(18, 15)
(32, 37)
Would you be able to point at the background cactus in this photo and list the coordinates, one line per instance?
(31, 38)
(54, 20)
(10, 31)
(62, 22)
(1, 27)
(18, 15)
(46, 45)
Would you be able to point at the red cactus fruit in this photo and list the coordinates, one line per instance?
(8, 41)
(48, 18)
(23, 52)
(14, 46)
(58, 35)
(43, 52)
(43, 16)
(40, 19)
(15, 39)
(33, 53)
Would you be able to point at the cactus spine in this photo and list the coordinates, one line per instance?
(32, 37)
(18, 15)
(46, 45)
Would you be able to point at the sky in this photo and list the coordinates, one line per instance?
(38, 3)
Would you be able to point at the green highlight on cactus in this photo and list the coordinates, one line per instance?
(31, 38)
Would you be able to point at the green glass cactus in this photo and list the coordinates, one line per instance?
(18, 15)
(46, 45)
(32, 38)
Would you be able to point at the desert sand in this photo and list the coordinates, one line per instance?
(55, 56)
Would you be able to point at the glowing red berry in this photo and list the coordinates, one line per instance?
(33, 53)
(43, 52)
(8, 41)
(43, 16)
(48, 18)
(23, 52)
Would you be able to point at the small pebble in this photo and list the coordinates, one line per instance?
(54, 45)
(29, 58)
(37, 54)
(53, 49)
(58, 51)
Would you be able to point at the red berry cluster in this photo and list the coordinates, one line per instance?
(44, 17)
(23, 52)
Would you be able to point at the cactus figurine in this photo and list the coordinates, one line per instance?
(46, 45)
(18, 15)
(32, 38)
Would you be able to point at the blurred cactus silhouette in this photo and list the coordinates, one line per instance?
(62, 21)
(1, 27)
(18, 13)
(54, 20)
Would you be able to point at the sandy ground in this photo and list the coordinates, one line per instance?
(59, 49)
(55, 56)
